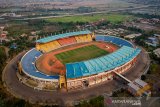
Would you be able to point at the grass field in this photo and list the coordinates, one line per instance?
(81, 54)
(113, 18)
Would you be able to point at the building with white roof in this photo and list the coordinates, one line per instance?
(139, 88)
(157, 52)
(140, 83)
(131, 36)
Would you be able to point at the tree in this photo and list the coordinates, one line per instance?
(94, 102)
(2, 57)
(143, 77)
(2, 103)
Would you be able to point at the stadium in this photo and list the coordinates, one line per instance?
(76, 60)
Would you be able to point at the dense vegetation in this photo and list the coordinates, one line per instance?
(42, 27)
(2, 58)
(94, 102)
(5, 100)
(122, 93)
(154, 69)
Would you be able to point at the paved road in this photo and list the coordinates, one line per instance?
(140, 67)
(18, 89)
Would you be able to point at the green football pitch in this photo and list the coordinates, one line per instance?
(81, 54)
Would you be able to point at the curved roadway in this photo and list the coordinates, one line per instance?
(16, 88)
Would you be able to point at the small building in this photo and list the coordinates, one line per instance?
(13, 46)
(157, 36)
(139, 88)
(9, 14)
(2, 28)
(152, 41)
(31, 38)
(33, 33)
(143, 85)
(3, 37)
(132, 36)
(157, 52)
(132, 88)
(156, 20)
(23, 35)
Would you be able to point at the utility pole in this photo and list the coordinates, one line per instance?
(0, 36)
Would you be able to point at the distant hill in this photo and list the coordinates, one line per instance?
(23, 2)
(20, 2)
(153, 2)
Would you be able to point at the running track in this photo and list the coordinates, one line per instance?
(16, 88)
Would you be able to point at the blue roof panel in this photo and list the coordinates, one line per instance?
(104, 63)
(64, 35)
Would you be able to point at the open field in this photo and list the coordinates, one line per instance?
(48, 26)
(113, 18)
(81, 54)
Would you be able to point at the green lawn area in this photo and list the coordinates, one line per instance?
(122, 93)
(81, 54)
(113, 18)
(19, 29)
(154, 69)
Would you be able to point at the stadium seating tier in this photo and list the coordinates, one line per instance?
(112, 39)
(28, 65)
(67, 41)
(101, 64)
(60, 36)
(85, 68)
(105, 63)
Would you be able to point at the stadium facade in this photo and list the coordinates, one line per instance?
(79, 74)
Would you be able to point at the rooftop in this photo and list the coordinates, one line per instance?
(131, 36)
(135, 87)
(101, 64)
(140, 82)
(157, 52)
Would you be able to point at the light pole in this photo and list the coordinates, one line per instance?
(0, 36)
